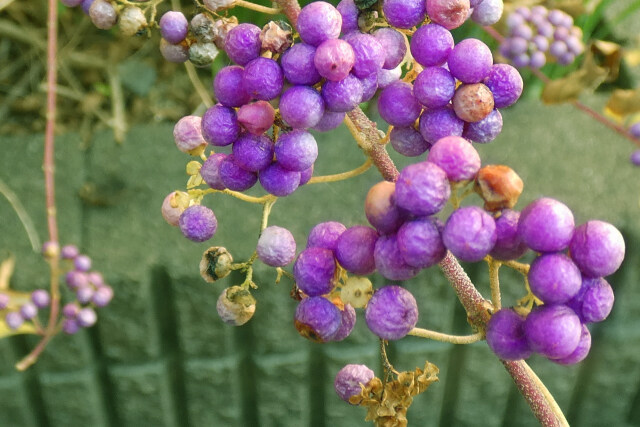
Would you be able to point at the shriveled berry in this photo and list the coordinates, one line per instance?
(473, 102)
(350, 380)
(276, 246)
(389, 260)
(215, 264)
(456, 156)
(392, 312)
(422, 188)
(325, 235)
(236, 305)
(499, 186)
(317, 319)
(470, 233)
(314, 270)
(198, 223)
(354, 249)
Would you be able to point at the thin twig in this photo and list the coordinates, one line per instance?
(119, 121)
(453, 339)
(197, 84)
(344, 175)
(494, 280)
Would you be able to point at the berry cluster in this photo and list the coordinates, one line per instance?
(90, 290)
(105, 14)
(538, 34)
(19, 310)
(634, 130)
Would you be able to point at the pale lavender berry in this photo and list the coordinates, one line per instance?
(187, 134)
(319, 21)
(404, 13)
(394, 45)
(102, 296)
(171, 213)
(434, 87)
(344, 95)
(70, 326)
(276, 246)
(392, 312)
(523, 31)
(329, 121)
(558, 48)
(176, 53)
(234, 177)
(554, 278)
(317, 319)
(227, 87)
(279, 181)
(635, 157)
(4, 301)
(354, 250)
(509, 245)
(82, 263)
(103, 14)
(439, 123)
(380, 208)
(220, 126)
(597, 248)
(210, 171)
(594, 301)
(306, 175)
(349, 13)
(431, 45)
(347, 322)
(69, 251)
(505, 335)
(546, 225)
(243, 44)
(580, 353)
(76, 279)
(14, 320)
(505, 83)
(174, 27)
(86, 5)
(28, 310)
(485, 130)
(298, 65)
(50, 249)
(448, 13)
(198, 223)
(301, 107)
(70, 310)
(40, 298)
(488, 12)
(456, 156)
(350, 380)
(420, 243)
(257, 117)
(387, 77)
(369, 54)
(263, 79)
(86, 317)
(325, 235)
(470, 233)
(422, 188)
(408, 141)
(398, 106)
(95, 278)
(369, 86)
(334, 59)
(541, 42)
(538, 59)
(296, 150)
(389, 260)
(71, 3)
(553, 331)
(84, 294)
(470, 61)
(253, 152)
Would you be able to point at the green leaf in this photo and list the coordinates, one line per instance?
(137, 76)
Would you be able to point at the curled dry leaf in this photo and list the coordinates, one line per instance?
(587, 78)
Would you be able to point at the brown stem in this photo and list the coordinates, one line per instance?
(291, 9)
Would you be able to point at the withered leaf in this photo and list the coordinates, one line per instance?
(623, 102)
(588, 77)
(609, 56)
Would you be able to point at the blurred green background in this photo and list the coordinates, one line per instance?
(160, 356)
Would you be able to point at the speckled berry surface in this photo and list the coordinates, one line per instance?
(597, 248)
(505, 335)
(349, 379)
(313, 271)
(276, 246)
(392, 312)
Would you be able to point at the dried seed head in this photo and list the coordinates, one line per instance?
(215, 264)
(357, 291)
(236, 305)
(276, 36)
(132, 20)
(499, 186)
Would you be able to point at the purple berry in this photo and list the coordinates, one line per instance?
(594, 301)
(350, 380)
(369, 54)
(103, 296)
(431, 45)
(235, 177)
(546, 225)
(392, 312)
(349, 13)
(243, 44)
(198, 223)
(253, 152)
(319, 21)
(448, 13)
(355, 248)
(40, 298)
(279, 181)
(581, 352)
(434, 87)
(298, 65)
(296, 150)
(470, 61)
(28, 310)
(597, 248)
(509, 245)
(422, 188)
(505, 335)
(325, 235)
(14, 320)
(95, 278)
(317, 319)
(70, 326)
(103, 14)
(76, 279)
(84, 294)
(306, 175)
(276, 246)
(220, 126)
(404, 13)
(4, 301)
(210, 172)
(69, 251)
(369, 86)
(263, 79)
(485, 130)
(389, 260)
(348, 321)
(553, 331)
(228, 88)
(470, 233)
(554, 278)
(82, 263)
(394, 46)
(70, 310)
(301, 107)
(488, 12)
(388, 77)
(380, 208)
(456, 156)
(173, 27)
(334, 59)
(187, 134)
(86, 317)
(344, 95)
(329, 121)
(398, 106)
(314, 270)
(420, 243)
(439, 123)
(408, 141)
(505, 83)
(176, 53)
